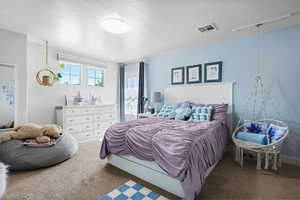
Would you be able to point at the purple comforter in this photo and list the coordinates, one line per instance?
(184, 149)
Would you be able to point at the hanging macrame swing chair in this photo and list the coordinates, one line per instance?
(256, 104)
(46, 76)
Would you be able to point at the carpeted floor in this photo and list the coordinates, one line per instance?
(86, 177)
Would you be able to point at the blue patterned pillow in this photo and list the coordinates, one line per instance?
(256, 127)
(181, 111)
(165, 111)
(276, 132)
(172, 114)
(201, 113)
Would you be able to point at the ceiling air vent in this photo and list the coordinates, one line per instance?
(206, 28)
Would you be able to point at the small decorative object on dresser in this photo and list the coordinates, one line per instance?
(194, 74)
(86, 122)
(177, 75)
(145, 102)
(213, 72)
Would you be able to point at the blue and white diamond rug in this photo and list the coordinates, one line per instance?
(132, 191)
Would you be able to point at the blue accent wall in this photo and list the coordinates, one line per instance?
(280, 71)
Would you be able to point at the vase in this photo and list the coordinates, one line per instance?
(147, 108)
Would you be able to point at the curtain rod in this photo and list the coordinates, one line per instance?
(81, 60)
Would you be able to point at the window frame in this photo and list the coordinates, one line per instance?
(88, 67)
(70, 75)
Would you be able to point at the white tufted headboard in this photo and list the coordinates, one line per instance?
(210, 93)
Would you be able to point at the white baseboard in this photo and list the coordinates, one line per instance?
(291, 160)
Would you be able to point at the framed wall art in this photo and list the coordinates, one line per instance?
(213, 72)
(194, 74)
(177, 75)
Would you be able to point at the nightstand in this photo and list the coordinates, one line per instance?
(145, 115)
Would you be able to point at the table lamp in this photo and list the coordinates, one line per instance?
(156, 98)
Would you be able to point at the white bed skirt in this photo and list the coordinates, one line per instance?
(151, 172)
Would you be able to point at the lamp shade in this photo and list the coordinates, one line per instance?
(156, 97)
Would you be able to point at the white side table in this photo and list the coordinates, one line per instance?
(145, 115)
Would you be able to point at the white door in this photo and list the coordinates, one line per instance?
(7, 94)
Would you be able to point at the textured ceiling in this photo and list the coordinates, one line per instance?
(156, 25)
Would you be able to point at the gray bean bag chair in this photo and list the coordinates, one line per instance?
(19, 157)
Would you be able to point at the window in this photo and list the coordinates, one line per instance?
(131, 88)
(95, 77)
(71, 74)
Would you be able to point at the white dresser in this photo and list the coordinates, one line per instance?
(86, 122)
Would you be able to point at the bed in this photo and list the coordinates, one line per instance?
(173, 154)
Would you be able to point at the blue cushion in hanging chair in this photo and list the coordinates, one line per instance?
(252, 137)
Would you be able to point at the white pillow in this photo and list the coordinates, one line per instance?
(179, 110)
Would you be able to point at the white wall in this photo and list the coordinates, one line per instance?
(42, 100)
(7, 75)
(13, 50)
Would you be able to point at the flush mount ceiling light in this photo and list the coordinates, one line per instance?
(114, 24)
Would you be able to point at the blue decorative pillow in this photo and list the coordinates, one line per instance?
(172, 114)
(256, 127)
(201, 113)
(181, 111)
(165, 111)
(276, 132)
(250, 137)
